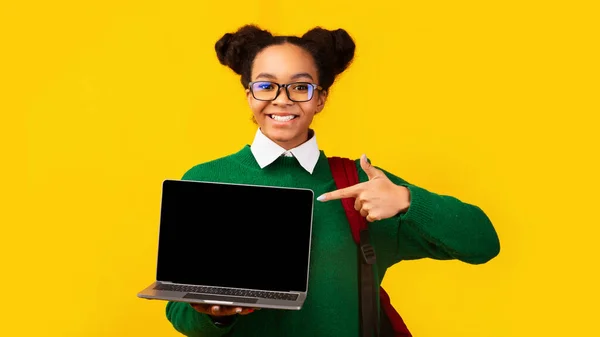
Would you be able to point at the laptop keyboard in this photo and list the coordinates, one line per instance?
(228, 292)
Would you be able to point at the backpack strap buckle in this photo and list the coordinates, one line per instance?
(367, 250)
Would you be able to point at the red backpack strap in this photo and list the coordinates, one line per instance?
(345, 174)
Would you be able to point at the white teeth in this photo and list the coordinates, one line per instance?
(283, 118)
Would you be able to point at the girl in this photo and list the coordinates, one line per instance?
(286, 80)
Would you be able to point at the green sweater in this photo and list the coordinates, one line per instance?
(435, 226)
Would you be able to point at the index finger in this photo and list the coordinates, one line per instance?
(348, 192)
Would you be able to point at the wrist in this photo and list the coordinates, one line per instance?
(403, 199)
(222, 320)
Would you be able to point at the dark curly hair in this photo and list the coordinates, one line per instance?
(332, 50)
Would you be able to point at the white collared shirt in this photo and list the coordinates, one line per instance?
(266, 151)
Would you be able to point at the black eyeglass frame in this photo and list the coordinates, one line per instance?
(316, 87)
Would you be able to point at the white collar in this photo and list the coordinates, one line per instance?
(266, 151)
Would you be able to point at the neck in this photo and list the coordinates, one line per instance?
(292, 143)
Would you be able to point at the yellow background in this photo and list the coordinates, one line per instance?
(495, 102)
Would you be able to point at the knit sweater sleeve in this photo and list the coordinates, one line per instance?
(191, 323)
(441, 227)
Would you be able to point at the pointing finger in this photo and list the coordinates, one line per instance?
(348, 192)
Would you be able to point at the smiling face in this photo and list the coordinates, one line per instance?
(282, 120)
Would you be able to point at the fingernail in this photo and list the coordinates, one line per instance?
(238, 310)
(321, 197)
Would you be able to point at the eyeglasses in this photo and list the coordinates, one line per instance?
(296, 92)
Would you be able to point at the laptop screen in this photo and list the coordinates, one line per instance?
(240, 236)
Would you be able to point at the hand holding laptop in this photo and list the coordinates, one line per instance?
(221, 310)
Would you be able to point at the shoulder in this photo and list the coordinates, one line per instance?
(346, 164)
(209, 169)
(362, 175)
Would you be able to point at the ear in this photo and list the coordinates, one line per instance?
(249, 97)
(322, 98)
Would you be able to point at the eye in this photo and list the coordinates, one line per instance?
(264, 86)
(300, 87)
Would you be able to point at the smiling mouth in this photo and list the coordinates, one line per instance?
(285, 118)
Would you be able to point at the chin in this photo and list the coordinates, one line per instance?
(281, 136)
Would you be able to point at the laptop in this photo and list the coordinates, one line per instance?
(233, 244)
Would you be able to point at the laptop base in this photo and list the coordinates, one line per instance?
(152, 293)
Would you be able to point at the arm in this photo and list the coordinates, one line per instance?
(420, 223)
(191, 323)
(443, 227)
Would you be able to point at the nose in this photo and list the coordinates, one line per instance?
(282, 98)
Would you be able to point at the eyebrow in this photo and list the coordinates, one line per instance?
(295, 77)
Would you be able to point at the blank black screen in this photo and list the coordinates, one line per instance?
(235, 235)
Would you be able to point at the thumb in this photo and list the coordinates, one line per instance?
(371, 171)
